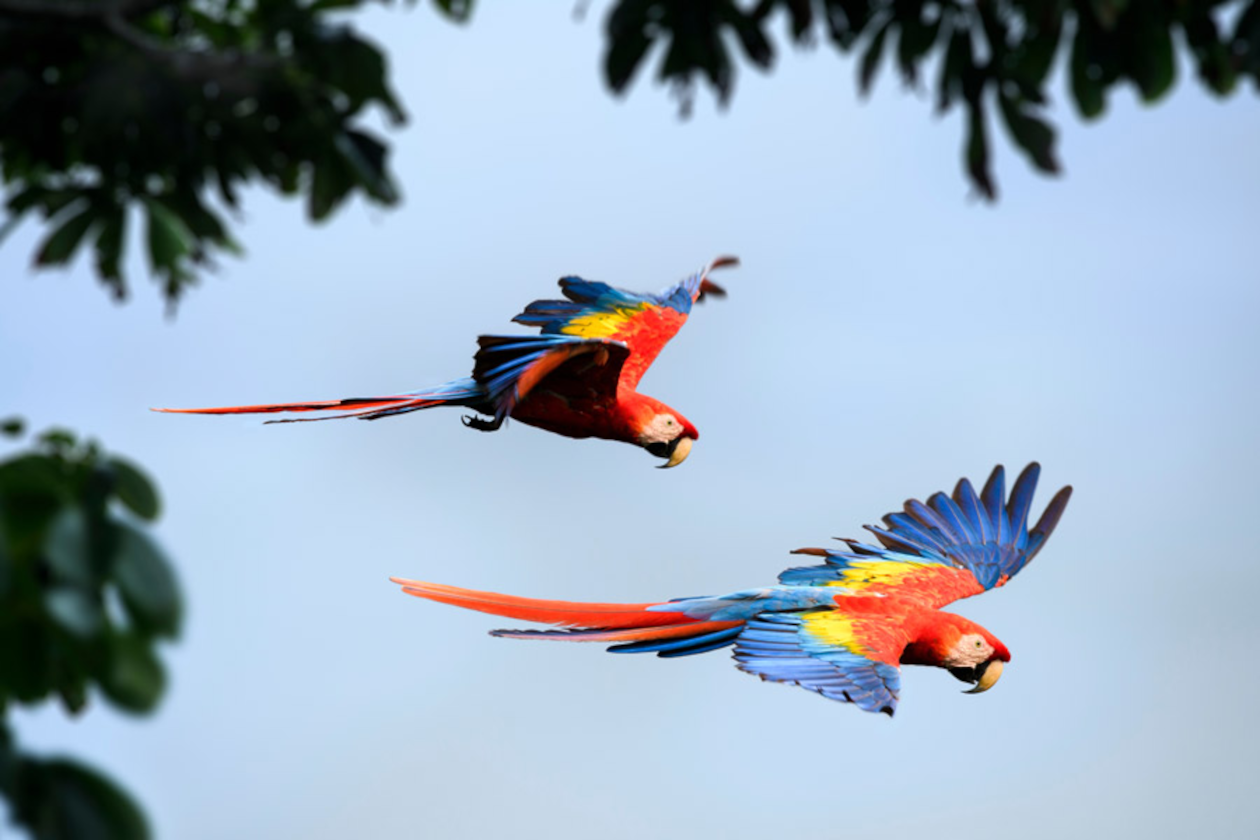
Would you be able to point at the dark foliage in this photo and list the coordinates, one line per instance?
(85, 597)
(163, 109)
(163, 105)
(985, 52)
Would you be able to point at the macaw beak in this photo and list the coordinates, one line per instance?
(985, 675)
(676, 451)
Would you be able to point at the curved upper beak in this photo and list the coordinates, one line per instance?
(677, 451)
(987, 675)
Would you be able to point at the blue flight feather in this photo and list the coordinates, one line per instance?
(967, 500)
(985, 535)
(776, 647)
(953, 516)
(681, 647)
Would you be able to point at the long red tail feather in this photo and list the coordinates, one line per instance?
(353, 404)
(564, 613)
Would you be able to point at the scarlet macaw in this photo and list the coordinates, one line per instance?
(844, 628)
(577, 378)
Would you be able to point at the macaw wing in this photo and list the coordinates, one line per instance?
(644, 323)
(853, 660)
(510, 366)
(949, 548)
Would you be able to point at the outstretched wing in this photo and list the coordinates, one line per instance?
(842, 657)
(644, 323)
(947, 549)
(510, 366)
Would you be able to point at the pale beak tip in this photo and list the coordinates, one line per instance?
(988, 679)
(680, 453)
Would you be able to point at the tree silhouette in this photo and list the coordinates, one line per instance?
(170, 106)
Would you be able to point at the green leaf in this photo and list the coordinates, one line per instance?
(358, 69)
(1150, 55)
(73, 693)
(133, 679)
(1246, 41)
(978, 150)
(67, 548)
(623, 58)
(801, 16)
(60, 441)
(331, 181)
(756, 46)
(1030, 133)
(60, 799)
(12, 426)
(134, 489)
(845, 21)
(50, 201)
(366, 157)
(456, 10)
(1216, 68)
(917, 37)
(1088, 84)
(870, 59)
(74, 611)
(26, 655)
(146, 583)
(628, 39)
(957, 61)
(1032, 59)
(170, 240)
(109, 244)
(32, 475)
(32, 490)
(61, 244)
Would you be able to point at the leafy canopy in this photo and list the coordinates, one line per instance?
(85, 597)
(984, 52)
(162, 109)
(162, 106)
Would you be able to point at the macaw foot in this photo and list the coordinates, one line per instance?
(483, 425)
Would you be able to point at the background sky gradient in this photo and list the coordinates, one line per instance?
(886, 334)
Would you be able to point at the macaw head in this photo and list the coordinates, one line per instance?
(964, 648)
(664, 432)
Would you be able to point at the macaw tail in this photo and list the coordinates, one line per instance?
(460, 392)
(635, 628)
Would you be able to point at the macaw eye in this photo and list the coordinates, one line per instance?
(669, 422)
(979, 643)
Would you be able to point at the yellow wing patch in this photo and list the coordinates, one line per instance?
(603, 324)
(875, 637)
(834, 628)
(932, 584)
(875, 575)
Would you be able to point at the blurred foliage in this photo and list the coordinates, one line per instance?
(983, 52)
(85, 596)
(153, 108)
(161, 110)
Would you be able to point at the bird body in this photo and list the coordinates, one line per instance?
(843, 628)
(577, 378)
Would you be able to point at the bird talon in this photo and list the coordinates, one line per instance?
(482, 425)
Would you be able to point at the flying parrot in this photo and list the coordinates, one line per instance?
(844, 628)
(577, 378)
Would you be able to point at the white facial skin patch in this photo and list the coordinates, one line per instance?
(661, 429)
(969, 651)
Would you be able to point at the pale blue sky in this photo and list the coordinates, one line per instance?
(886, 334)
